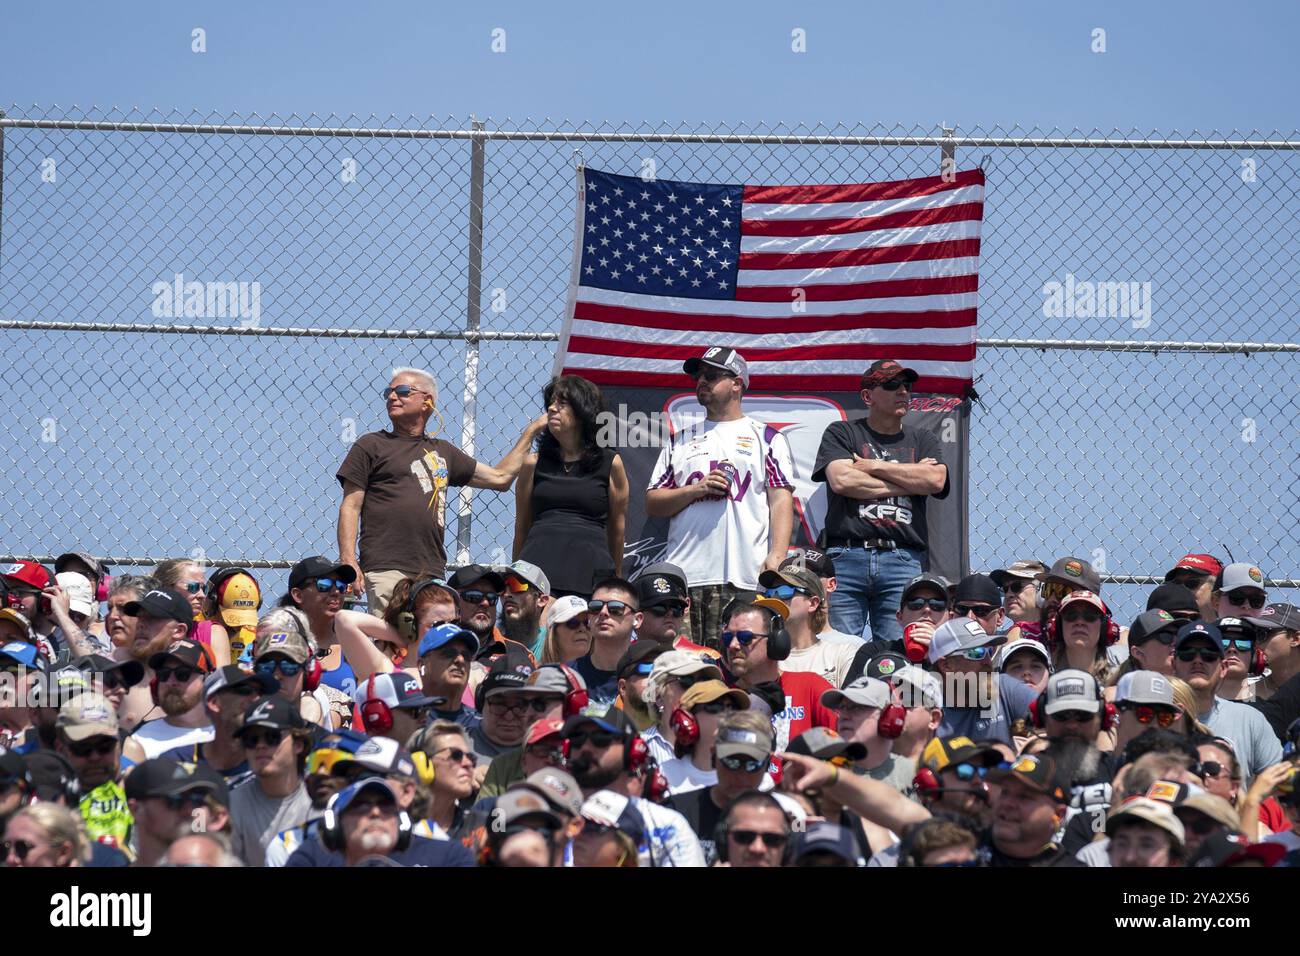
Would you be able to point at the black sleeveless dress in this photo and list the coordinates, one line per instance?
(567, 539)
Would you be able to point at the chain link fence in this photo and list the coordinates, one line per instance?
(1138, 323)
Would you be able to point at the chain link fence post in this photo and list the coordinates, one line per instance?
(473, 306)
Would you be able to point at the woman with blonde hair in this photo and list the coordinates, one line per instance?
(1185, 701)
(567, 635)
(47, 835)
(185, 577)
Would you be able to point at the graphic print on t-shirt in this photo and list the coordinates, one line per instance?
(431, 472)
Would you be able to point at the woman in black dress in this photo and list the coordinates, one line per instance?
(571, 497)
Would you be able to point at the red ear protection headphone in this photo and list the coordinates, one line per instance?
(926, 784)
(892, 718)
(1109, 713)
(577, 699)
(686, 731)
(375, 714)
(1109, 630)
(311, 669)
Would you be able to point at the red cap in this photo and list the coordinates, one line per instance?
(1204, 563)
(543, 729)
(28, 572)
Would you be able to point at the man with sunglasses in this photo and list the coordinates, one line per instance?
(277, 741)
(820, 564)
(446, 654)
(878, 474)
(1019, 584)
(725, 486)
(1072, 717)
(1240, 640)
(1197, 573)
(1238, 591)
(858, 708)
(282, 655)
(977, 702)
(925, 603)
(707, 703)
(524, 601)
(1279, 638)
(177, 687)
(164, 798)
(665, 604)
(507, 711)
(614, 616)
(1151, 642)
(395, 488)
(87, 737)
(1198, 660)
(634, 669)
(479, 587)
(1144, 699)
(802, 591)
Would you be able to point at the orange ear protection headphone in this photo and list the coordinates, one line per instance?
(1109, 630)
(375, 713)
(1109, 713)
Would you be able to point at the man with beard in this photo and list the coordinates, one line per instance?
(165, 796)
(227, 694)
(1019, 584)
(978, 703)
(549, 691)
(634, 669)
(523, 605)
(130, 643)
(178, 678)
(446, 652)
(614, 616)
(480, 588)
(277, 740)
(925, 603)
(665, 602)
(605, 754)
(1073, 716)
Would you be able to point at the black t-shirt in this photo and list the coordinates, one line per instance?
(870, 649)
(703, 815)
(1089, 802)
(900, 519)
(602, 686)
(1052, 855)
(1282, 709)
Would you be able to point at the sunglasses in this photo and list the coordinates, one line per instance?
(189, 800)
(576, 623)
(744, 637)
(739, 764)
(271, 737)
(979, 610)
(1089, 615)
(934, 604)
(323, 760)
(182, 674)
(616, 608)
(552, 755)
(770, 840)
(480, 597)
(329, 585)
(1212, 768)
(196, 587)
(894, 384)
(671, 609)
(973, 654)
(712, 375)
(1245, 646)
(1145, 713)
(100, 746)
(1073, 716)
(268, 668)
(1241, 597)
(600, 739)
(1207, 654)
(19, 848)
(515, 586)
(645, 667)
(1015, 585)
(455, 754)
(688, 681)
(785, 592)
(967, 772)
(714, 707)
(113, 680)
(1057, 589)
(401, 391)
(536, 704)
(1165, 636)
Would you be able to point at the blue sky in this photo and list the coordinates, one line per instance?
(1151, 447)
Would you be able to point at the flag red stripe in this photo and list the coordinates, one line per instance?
(894, 288)
(914, 252)
(862, 192)
(677, 321)
(851, 224)
(927, 385)
(965, 352)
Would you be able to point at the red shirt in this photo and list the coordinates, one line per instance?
(803, 707)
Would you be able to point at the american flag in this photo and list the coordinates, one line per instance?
(811, 284)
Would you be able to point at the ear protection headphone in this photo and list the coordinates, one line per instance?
(406, 624)
(331, 831)
(722, 832)
(686, 731)
(1109, 713)
(926, 784)
(376, 715)
(637, 758)
(1109, 630)
(425, 772)
(892, 718)
(779, 644)
(577, 699)
(311, 670)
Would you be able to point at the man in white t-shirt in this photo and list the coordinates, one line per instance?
(802, 592)
(177, 690)
(725, 484)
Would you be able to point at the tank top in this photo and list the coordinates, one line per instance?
(567, 539)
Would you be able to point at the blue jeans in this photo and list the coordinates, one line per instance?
(869, 584)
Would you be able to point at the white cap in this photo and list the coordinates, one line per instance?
(1019, 644)
(80, 592)
(924, 689)
(565, 609)
(678, 664)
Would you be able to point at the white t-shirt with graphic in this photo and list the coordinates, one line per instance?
(156, 737)
(723, 540)
(828, 661)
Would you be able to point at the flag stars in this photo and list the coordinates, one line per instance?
(699, 200)
(644, 194)
(726, 200)
(659, 207)
(618, 191)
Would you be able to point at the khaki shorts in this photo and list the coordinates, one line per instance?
(379, 589)
(707, 604)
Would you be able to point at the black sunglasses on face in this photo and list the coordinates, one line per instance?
(770, 840)
(1241, 597)
(401, 391)
(667, 610)
(979, 610)
(101, 746)
(711, 375)
(894, 384)
(182, 674)
(715, 707)
(600, 739)
(189, 800)
(687, 681)
(1089, 615)
(616, 608)
(1015, 585)
(455, 754)
(480, 597)
(1206, 654)
(934, 604)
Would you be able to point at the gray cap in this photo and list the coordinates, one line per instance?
(1277, 617)
(528, 572)
(1144, 687)
(918, 687)
(557, 787)
(1074, 571)
(1072, 690)
(865, 692)
(1006, 651)
(523, 802)
(960, 634)
(1240, 575)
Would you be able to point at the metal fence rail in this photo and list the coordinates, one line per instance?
(1125, 435)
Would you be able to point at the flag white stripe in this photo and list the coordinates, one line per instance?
(580, 360)
(760, 339)
(869, 239)
(777, 310)
(878, 272)
(851, 210)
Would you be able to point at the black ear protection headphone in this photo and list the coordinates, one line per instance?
(1109, 629)
(722, 832)
(221, 575)
(331, 830)
(1109, 712)
(779, 644)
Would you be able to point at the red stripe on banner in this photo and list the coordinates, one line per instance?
(863, 192)
(964, 352)
(925, 385)
(680, 322)
(876, 255)
(888, 289)
(839, 226)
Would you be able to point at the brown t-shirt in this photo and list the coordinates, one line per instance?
(405, 480)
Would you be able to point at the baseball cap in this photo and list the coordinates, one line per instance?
(826, 837)
(87, 715)
(960, 634)
(27, 572)
(48, 774)
(1239, 575)
(1196, 798)
(552, 679)
(440, 634)
(1039, 772)
(1144, 687)
(942, 752)
(161, 604)
(978, 589)
(815, 560)
(513, 805)
(19, 619)
(289, 641)
(919, 687)
(682, 664)
(565, 609)
(1073, 571)
(471, 573)
(749, 735)
(613, 721)
(164, 777)
(273, 712)
(1151, 623)
(883, 370)
(664, 569)
(131, 672)
(927, 580)
(1200, 563)
(1006, 651)
(638, 658)
(541, 730)
(653, 590)
(318, 566)
(613, 811)
(344, 798)
(707, 691)
(884, 665)
(1150, 811)
(232, 676)
(1085, 597)
(97, 567)
(396, 689)
(378, 755)
(864, 691)
(508, 672)
(25, 654)
(1028, 570)
(556, 787)
(238, 598)
(529, 573)
(1172, 598)
(187, 652)
(825, 744)
(1277, 617)
(720, 356)
(81, 596)
(804, 578)
(1229, 849)
(1202, 629)
(1072, 689)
